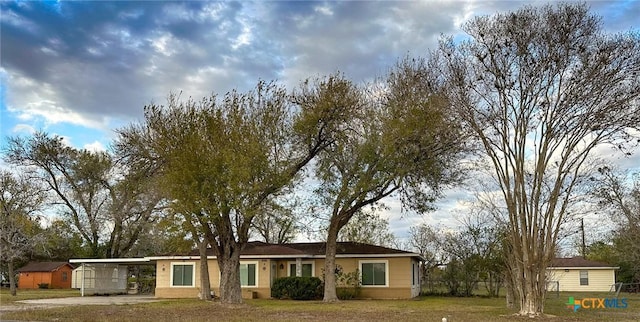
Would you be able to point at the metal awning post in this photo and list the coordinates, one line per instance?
(82, 282)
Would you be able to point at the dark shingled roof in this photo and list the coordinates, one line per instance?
(314, 249)
(576, 262)
(346, 248)
(43, 266)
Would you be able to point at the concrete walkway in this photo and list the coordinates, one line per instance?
(92, 300)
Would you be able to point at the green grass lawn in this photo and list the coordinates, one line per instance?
(420, 309)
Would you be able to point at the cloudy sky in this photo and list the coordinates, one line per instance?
(83, 69)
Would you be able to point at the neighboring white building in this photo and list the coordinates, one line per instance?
(580, 275)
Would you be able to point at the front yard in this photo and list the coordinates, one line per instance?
(420, 309)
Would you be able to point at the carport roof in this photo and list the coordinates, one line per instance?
(123, 261)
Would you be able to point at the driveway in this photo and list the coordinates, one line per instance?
(66, 301)
(93, 300)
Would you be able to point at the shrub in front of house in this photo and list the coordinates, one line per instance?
(347, 284)
(297, 288)
(43, 285)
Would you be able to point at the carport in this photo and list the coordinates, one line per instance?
(104, 276)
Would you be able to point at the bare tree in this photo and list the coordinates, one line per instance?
(426, 240)
(619, 196)
(541, 88)
(20, 199)
(368, 227)
(277, 225)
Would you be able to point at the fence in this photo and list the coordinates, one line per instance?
(625, 287)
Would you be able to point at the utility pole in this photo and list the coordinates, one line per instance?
(584, 246)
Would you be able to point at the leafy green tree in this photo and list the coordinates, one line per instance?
(109, 205)
(541, 88)
(401, 139)
(59, 242)
(229, 158)
(20, 199)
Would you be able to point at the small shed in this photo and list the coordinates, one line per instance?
(53, 274)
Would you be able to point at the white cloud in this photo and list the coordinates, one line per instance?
(95, 146)
(23, 129)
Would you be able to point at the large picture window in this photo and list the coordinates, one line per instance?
(374, 273)
(182, 274)
(248, 274)
(307, 269)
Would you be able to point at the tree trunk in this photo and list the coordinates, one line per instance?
(229, 263)
(530, 290)
(12, 278)
(205, 286)
(330, 294)
(510, 297)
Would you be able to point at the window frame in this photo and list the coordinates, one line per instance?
(256, 273)
(312, 263)
(584, 281)
(193, 273)
(377, 261)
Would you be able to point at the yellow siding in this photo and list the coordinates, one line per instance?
(600, 280)
(165, 290)
(399, 273)
(163, 280)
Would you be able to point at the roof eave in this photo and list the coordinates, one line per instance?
(584, 267)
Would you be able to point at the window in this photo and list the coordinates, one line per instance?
(584, 277)
(374, 273)
(415, 273)
(64, 276)
(248, 274)
(182, 274)
(307, 269)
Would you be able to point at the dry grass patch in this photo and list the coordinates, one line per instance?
(6, 297)
(421, 309)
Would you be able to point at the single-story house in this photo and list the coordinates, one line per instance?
(384, 272)
(578, 274)
(54, 274)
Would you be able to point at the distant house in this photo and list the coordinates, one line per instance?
(577, 274)
(54, 274)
